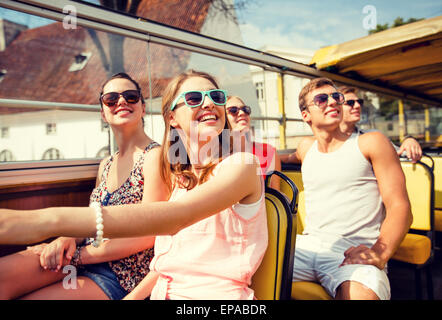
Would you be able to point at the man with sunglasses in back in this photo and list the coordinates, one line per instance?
(351, 114)
(357, 208)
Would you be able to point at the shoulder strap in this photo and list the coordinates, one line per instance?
(106, 168)
(149, 147)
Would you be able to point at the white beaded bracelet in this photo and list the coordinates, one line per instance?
(99, 219)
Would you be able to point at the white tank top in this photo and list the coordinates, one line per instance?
(342, 197)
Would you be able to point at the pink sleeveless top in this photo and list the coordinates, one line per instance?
(214, 258)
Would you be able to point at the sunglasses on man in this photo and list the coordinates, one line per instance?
(195, 98)
(110, 99)
(234, 110)
(352, 102)
(321, 100)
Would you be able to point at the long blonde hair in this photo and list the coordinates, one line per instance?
(181, 173)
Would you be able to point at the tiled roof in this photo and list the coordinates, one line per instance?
(184, 14)
(38, 60)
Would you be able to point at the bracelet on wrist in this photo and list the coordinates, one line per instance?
(76, 258)
(99, 220)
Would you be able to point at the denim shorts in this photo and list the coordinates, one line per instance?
(105, 278)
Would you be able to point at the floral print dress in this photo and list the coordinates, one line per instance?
(130, 270)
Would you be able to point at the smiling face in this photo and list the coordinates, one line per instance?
(351, 115)
(207, 120)
(330, 114)
(239, 121)
(123, 112)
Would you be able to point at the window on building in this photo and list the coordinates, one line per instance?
(390, 127)
(6, 156)
(51, 128)
(3, 73)
(52, 154)
(5, 132)
(80, 61)
(259, 90)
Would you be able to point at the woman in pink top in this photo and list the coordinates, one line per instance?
(213, 230)
(238, 115)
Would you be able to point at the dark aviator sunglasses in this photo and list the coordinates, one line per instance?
(110, 99)
(321, 100)
(234, 110)
(352, 102)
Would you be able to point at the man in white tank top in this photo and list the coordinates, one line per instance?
(351, 115)
(357, 208)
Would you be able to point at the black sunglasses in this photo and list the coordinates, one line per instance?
(352, 102)
(321, 100)
(234, 110)
(110, 99)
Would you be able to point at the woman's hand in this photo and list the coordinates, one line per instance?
(58, 253)
(38, 248)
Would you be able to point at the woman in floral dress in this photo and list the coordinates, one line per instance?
(129, 176)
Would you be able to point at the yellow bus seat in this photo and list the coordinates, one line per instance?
(296, 177)
(417, 248)
(303, 290)
(437, 172)
(273, 279)
(438, 220)
(306, 290)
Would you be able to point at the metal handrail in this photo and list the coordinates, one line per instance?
(31, 104)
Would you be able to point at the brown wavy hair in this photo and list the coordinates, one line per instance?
(348, 89)
(181, 173)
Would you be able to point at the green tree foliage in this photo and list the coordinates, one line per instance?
(399, 21)
(379, 28)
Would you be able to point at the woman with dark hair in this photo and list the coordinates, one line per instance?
(131, 175)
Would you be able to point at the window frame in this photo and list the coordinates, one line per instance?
(34, 172)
